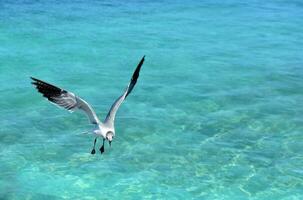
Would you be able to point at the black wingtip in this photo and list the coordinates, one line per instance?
(141, 62)
(34, 80)
(135, 77)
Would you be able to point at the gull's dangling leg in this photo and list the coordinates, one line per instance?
(102, 147)
(94, 151)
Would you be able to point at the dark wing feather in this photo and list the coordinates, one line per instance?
(113, 110)
(65, 99)
(135, 77)
(56, 95)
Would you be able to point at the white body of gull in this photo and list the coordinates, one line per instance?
(71, 102)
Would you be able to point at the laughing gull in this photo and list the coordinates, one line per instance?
(71, 102)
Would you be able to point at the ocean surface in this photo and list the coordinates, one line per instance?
(217, 112)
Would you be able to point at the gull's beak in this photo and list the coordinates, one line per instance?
(110, 143)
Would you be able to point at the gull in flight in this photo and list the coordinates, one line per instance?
(71, 102)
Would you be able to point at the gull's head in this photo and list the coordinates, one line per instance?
(110, 137)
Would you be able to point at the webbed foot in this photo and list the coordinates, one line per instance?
(102, 149)
(93, 151)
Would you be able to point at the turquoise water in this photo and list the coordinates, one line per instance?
(216, 113)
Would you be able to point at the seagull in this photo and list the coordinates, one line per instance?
(72, 102)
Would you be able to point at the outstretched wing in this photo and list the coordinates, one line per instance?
(65, 99)
(110, 118)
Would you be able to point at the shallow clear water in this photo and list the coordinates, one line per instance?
(216, 114)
